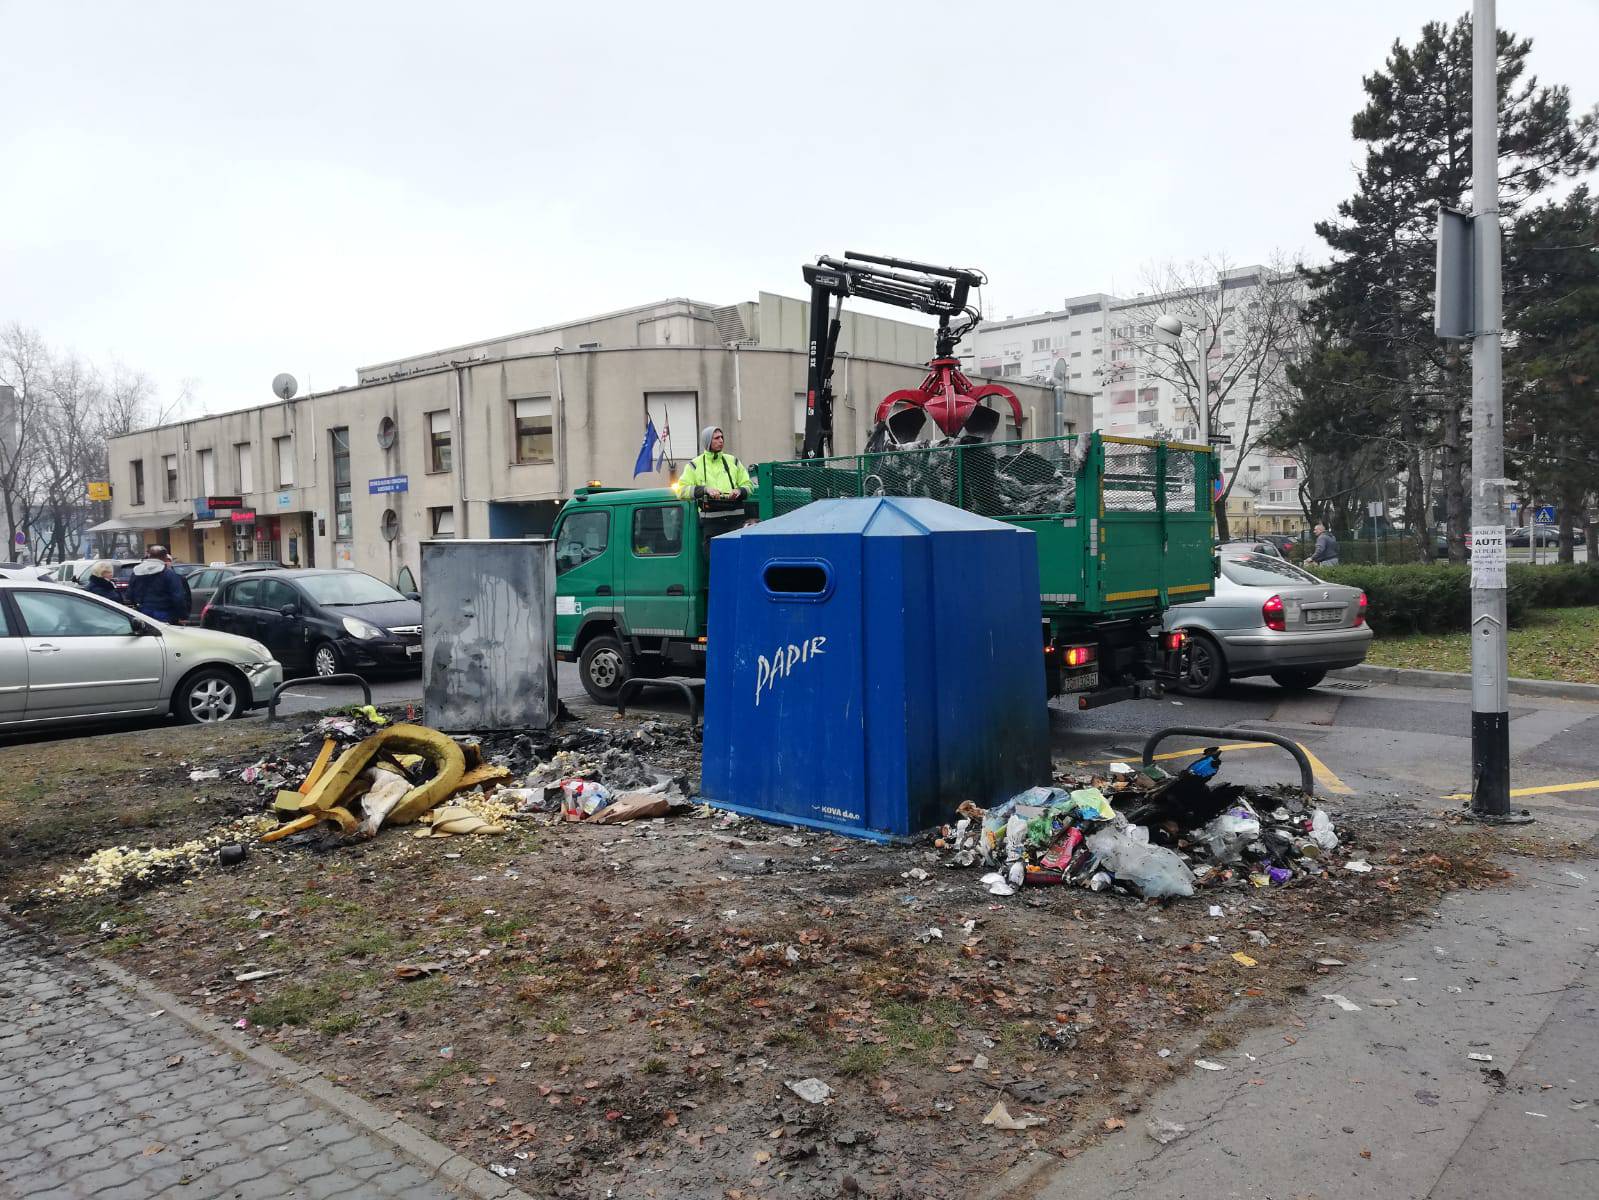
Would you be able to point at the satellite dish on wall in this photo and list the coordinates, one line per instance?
(1060, 372)
(284, 386)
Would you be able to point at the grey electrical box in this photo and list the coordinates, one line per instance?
(1454, 311)
(488, 634)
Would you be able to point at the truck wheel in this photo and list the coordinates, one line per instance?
(1300, 679)
(603, 668)
(1207, 670)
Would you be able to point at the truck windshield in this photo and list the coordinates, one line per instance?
(583, 535)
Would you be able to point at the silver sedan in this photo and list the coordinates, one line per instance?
(1269, 617)
(68, 656)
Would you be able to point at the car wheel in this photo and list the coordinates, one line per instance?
(1300, 679)
(603, 668)
(325, 660)
(208, 696)
(1207, 670)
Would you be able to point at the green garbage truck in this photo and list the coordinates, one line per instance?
(1122, 526)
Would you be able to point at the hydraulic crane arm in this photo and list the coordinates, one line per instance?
(938, 291)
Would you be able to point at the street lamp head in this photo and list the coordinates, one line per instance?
(1168, 328)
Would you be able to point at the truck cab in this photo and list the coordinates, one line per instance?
(632, 572)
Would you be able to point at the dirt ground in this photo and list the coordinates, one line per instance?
(620, 1010)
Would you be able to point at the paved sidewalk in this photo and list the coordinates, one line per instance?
(102, 1096)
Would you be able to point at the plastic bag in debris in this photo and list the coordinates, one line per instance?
(582, 798)
(1125, 852)
(1227, 835)
(1321, 830)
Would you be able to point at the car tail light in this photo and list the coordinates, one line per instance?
(1360, 609)
(1272, 610)
(1079, 656)
(1175, 639)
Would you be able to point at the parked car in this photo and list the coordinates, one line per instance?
(204, 581)
(1286, 543)
(1269, 617)
(73, 570)
(66, 656)
(1259, 546)
(1523, 535)
(322, 621)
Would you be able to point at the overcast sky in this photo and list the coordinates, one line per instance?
(222, 191)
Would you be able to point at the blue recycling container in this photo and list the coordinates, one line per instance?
(870, 664)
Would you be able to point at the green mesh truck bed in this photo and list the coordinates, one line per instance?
(1122, 524)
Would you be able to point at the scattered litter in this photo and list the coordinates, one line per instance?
(201, 776)
(812, 1090)
(1359, 866)
(1243, 959)
(999, 1117)
(503, 1172)
(1331, 962)
(418, 970)
(1165, 1132)
(1342, 1002)
(1474, 1056)
(1215, 910)
(1163, 1053)
(1204, 1064)
(252, 976)
(1385, 1003)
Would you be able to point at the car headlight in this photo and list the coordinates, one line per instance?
(364, 630)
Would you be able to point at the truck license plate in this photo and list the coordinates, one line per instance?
(1323, 616)
(1082, 681)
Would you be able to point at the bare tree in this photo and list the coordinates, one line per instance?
(24, 370)
(1247, 328)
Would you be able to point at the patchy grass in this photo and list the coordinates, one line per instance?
(1559, 643)
(306, 1003)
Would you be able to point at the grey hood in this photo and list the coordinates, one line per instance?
(706, 434)
(150, 566)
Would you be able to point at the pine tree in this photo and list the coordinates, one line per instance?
(1552, 360)
(1375, 296)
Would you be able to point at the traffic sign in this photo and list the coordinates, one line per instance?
(1546, 515)
(99, 491)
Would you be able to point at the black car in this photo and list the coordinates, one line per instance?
(321, 621)
(204, 581)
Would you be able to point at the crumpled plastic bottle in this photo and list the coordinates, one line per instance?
(1321, 829)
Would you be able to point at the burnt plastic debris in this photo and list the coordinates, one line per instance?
(1143, 831)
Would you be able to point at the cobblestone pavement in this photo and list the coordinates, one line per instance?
(101, 1096)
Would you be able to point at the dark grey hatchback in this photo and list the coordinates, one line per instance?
(324, 621)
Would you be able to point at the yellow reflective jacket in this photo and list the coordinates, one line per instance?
(712, 470)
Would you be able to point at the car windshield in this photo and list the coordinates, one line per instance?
(340, 588)
(1257, 570)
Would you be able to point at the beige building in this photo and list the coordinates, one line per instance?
(488, 439)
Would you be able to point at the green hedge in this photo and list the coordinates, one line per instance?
(1437, 599)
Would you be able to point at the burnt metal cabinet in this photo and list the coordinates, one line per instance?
(488, 633)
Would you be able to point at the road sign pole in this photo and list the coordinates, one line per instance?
(1490, 718)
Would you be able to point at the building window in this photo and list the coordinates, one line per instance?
(535, 438)
(208, 472)
(1120, 355)
(138, 481)
(343, 514)
(283, 451)
(1040, 345)
(245, 468)
(1010, 370)
(1079, 332)
(169, 477)
(439, 440)
(442, 521)
(676, 419)
(1289, 472)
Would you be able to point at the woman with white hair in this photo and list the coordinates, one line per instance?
(98, 581)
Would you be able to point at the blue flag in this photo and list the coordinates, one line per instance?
(646, 454)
